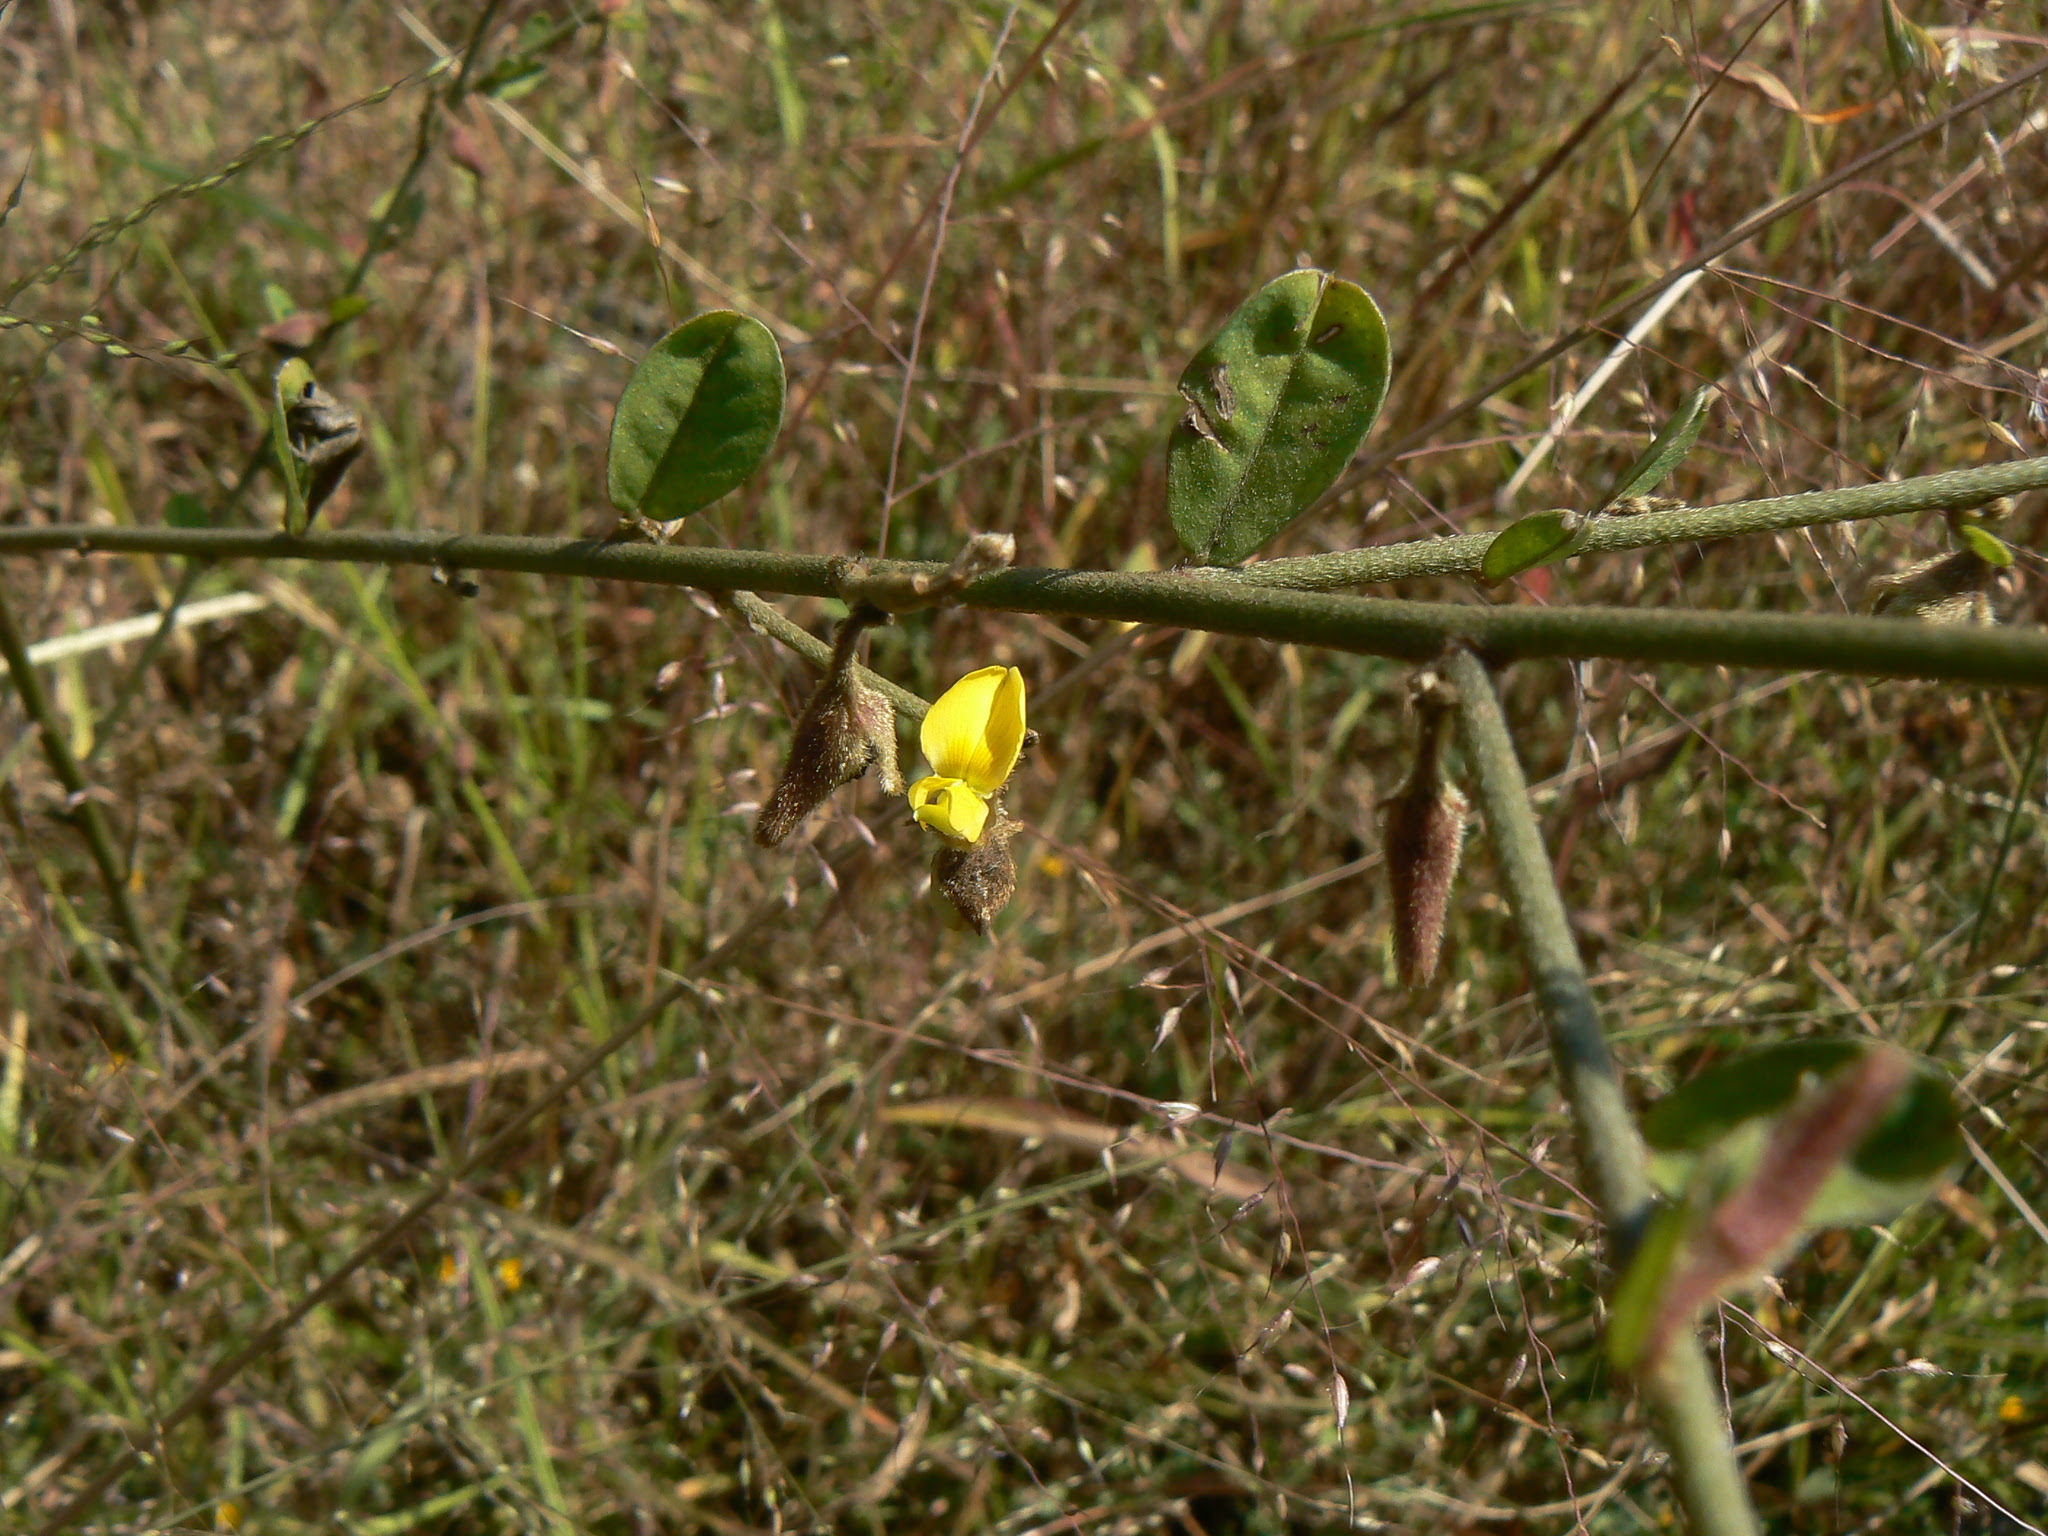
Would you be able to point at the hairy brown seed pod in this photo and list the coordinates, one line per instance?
(1424, 836)
(846, 729)
(1950, 589)
(979, 878)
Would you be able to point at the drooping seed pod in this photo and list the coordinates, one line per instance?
(1423, 835)
(979, 878)
(1949, 589)
(846, 729)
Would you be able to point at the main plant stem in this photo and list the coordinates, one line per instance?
(1681, 1391)
(1374, 626)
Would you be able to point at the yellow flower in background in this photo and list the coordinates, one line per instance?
(2012, 1410)
(511, 1274)
(971, 738)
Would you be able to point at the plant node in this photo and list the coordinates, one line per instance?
(895, 588)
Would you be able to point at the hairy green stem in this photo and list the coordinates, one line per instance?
(1373, 626)
(1681, 1390)
(1955, 491)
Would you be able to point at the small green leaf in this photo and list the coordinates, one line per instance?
(277, 301)
(184, 510)
(293, 377)
(1535, 540)
(1667, 450)
(1984, 544)
(698, 416)
(1278, 401)
(1763, 1081)
(346, 307)
(1722, 1119)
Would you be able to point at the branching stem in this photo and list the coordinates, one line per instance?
(1373, 626)
(1681, 1390)
(1954, 491)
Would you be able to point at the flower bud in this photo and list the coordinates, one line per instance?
(979, 878)
(846, 729)
(1423, 837)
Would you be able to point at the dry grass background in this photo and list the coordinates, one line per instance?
(407, 851)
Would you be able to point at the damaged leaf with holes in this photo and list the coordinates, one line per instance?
(1275, 405)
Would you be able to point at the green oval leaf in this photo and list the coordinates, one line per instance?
(1984, 544)
(698, 416)
(1535, 540)
(1667, 450)
(1278, 401)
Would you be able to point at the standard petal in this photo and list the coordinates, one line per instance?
(1004, 737)
(955, 732)
(950, 808)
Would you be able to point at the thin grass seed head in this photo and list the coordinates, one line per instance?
(1424, 837)
(971, 738)
(846, 729)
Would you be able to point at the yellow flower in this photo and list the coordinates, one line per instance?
(2012, 1410)
(971, 738)
(511, 1274)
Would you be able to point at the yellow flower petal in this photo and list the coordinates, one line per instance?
(976, 729)
(949, 808)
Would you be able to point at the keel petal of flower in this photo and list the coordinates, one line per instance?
(949, 807)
